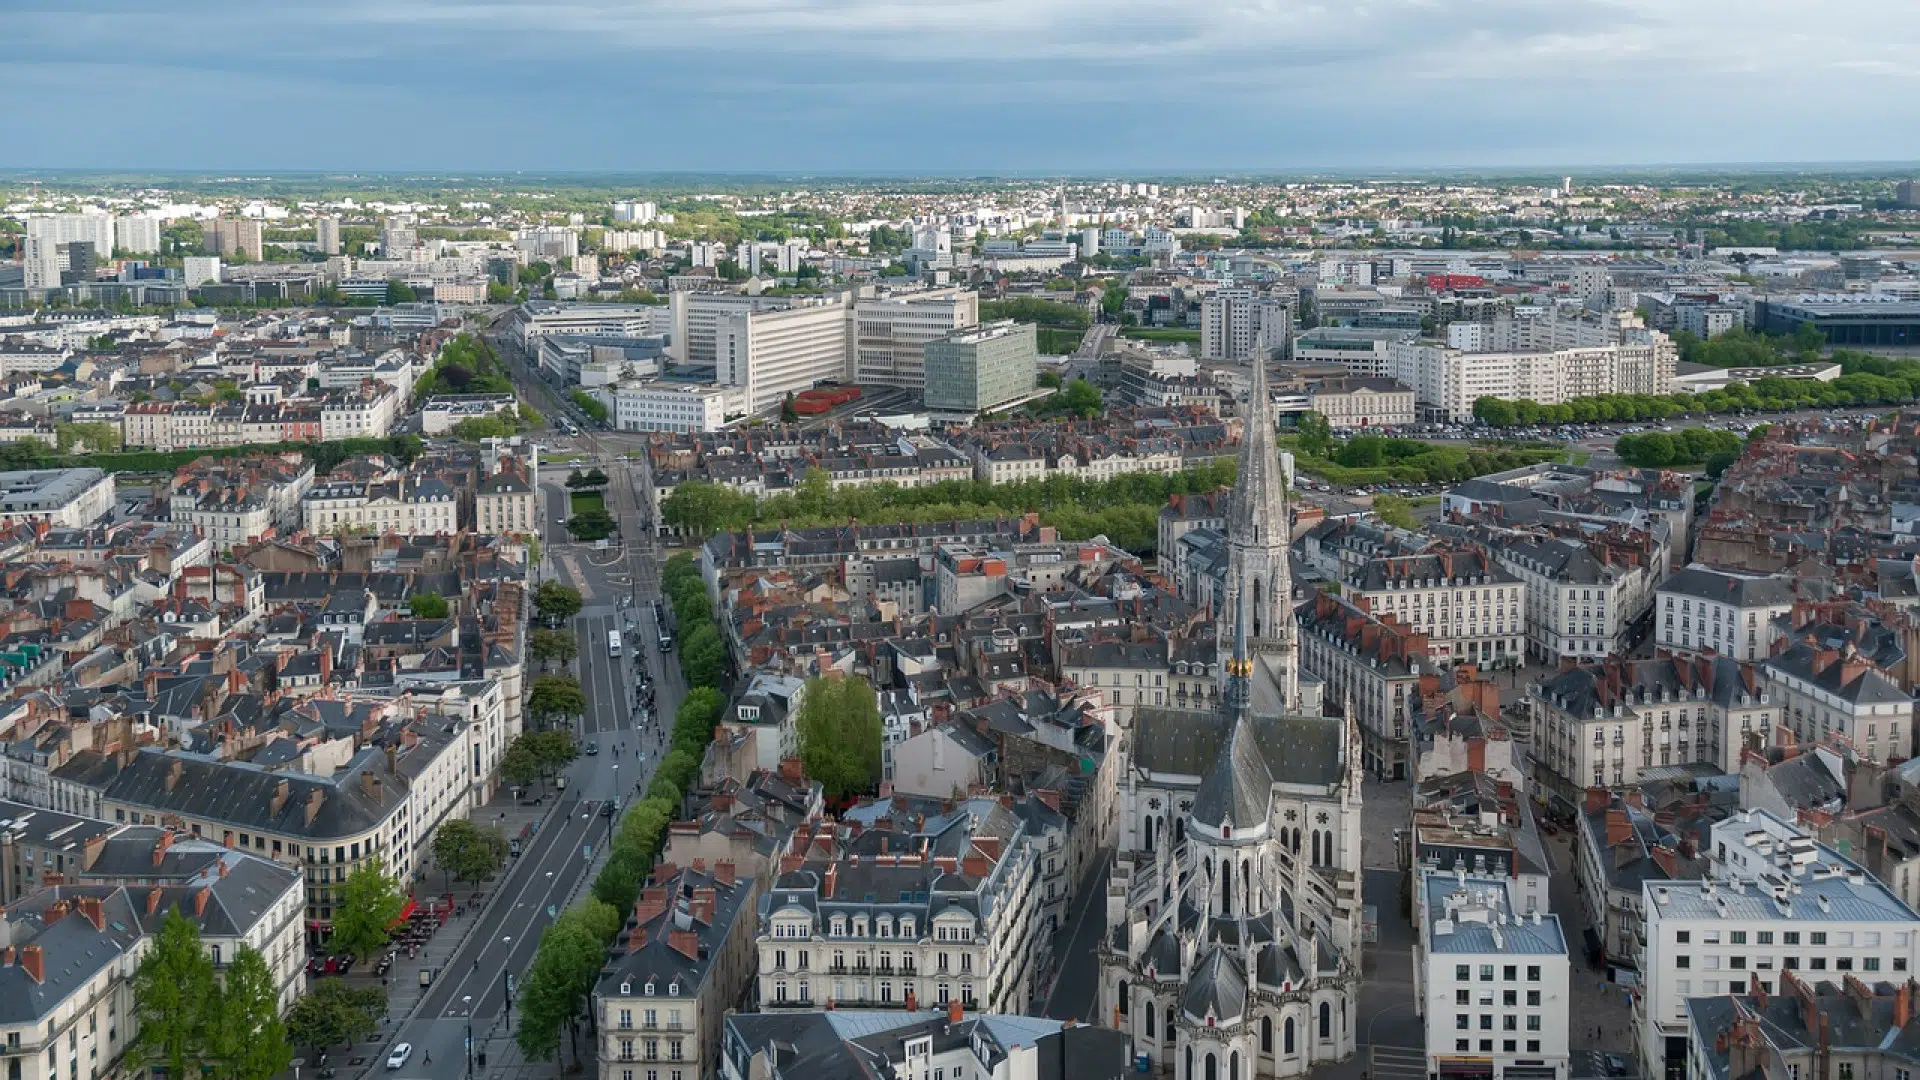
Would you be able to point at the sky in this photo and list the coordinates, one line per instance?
(941, 86)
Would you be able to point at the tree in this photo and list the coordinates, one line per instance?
(556, 987)
(555, 696)
(335, 1012)
(399, 292)
(87, 437)
(427, 605)
(840, 734)
(1315, 434)
(250, 1040)
(173, 998)
(469, 852)
(520, 766)
(554, 750)
(703, 656)
(595, 524)
(369, 901)
(550, 645)
(1395, 511)
(556, 602)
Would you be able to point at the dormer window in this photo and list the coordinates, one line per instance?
(626, 988)
(673, 989)
(649, 988)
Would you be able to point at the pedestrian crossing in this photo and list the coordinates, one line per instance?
(1396, 1063)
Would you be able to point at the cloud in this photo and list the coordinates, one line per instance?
(850, 85)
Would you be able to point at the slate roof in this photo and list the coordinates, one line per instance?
(1734, 589)
(1304, 750)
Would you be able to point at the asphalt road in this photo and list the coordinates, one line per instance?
(616, 585)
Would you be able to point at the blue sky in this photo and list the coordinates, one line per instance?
(844, 86)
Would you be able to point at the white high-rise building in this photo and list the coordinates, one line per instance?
(96, 229)
(200, 269)
(137, 234)
(637, 212)
(775, 353)
(43, 262)
(890, 334)
(1447, 381)
(1239, 324)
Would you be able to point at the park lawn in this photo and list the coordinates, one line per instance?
(582, 501)
(1054, 341)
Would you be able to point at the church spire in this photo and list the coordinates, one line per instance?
(1259, 531)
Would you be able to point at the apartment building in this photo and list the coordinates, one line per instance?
(676, 971)
(1825, 693)
(233, 500)
(96, 230)
(944, 911)
(367, 411)
(505, 502)
(890, 334)
(1579, 605)
(68, 969)
(409, 505)
(948, 1042)
(1602, 724)
(1470, 609)
(325, 826)
(1240, 324)
(1779, 908)
(1373, 663)
(227, 237)
(1495, 982)
(1861, 1028)
(1701, 609)
(63, 498)
(1447, 381)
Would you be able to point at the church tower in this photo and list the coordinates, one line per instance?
(1259, 531)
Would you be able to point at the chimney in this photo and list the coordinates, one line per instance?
(200, 902)
(34, 962)
(314, 800)
(684, 942)
(723, 872)
(1903, 1004)
(1619, 829)
(55, 912)
(975, 866)
(1597, 799)
(91, 909)
(954, 1012)
(153, 902)
(174, 772)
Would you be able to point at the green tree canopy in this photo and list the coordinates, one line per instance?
(469, 852)
(840, 734)
(427, 605)
(553, 697)
(174, 995)
(555, 601)
(366, 906)
(547, 646)
(335, 1012)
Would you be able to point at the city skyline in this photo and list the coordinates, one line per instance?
(1056, 86)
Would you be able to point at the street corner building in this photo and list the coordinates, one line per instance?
(1234, 949)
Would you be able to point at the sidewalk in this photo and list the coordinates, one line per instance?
(402, 981)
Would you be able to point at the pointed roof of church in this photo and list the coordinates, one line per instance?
(1259, 510)
(1239, 786)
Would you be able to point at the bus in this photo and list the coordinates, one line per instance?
(613, 643)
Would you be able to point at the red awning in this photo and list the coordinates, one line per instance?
(405, 913)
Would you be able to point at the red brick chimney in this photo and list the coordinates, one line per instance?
(200, 902)
(954, 1012)
(34, 962)
(724, 871)
(684, 942)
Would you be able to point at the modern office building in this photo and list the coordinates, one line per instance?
(1846, 320)
(980, 369)
(197, 270)
(1363, 352)
(890, 333)
(77, 262)
(771, 354)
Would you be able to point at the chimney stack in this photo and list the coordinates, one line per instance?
(35, 963)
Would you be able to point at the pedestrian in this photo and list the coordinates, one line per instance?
(429, 1061)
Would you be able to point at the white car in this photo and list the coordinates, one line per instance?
(398, 1059)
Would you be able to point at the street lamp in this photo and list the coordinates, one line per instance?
(468, 1002)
